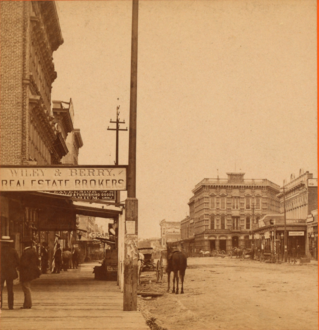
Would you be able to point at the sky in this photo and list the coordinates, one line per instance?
(223, 86)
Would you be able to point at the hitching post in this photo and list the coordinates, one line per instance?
(131, 211)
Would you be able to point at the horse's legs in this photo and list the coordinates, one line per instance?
(182, 273)
(177, 278)
(168, 280)
(173, 291)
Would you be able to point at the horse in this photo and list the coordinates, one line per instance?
(238, 252)
(177, 263)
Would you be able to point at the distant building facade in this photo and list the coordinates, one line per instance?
(170, 231)
(299, 200)
(223, 212)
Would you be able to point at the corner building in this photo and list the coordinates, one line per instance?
(224, 212)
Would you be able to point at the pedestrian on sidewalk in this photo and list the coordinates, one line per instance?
(75, 258)
(252, 251)
(66, 259)
(57, 259)
(44, 258)
(29, 271)
(9, 265)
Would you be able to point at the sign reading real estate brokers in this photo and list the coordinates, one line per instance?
(57, 178)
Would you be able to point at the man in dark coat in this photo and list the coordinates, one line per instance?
(29, 270)
(75, 258)
(9, 265)
(44, 258)
(57, 259)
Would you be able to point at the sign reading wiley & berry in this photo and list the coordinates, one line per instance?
(62, 178)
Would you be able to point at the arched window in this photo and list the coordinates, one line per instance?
(212, 221)
(247, 222)
(222, 222)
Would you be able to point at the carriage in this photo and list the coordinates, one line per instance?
(148, 262)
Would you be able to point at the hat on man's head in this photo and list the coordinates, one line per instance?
(6, 239)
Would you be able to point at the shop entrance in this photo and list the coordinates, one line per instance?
(222, 245)
(212, 245)
(235, 241)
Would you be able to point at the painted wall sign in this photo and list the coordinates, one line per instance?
(296, 233)
(86, 194)
(35, 178)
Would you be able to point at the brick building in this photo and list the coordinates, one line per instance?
(31, 133)
(223, 212)
(30, 33)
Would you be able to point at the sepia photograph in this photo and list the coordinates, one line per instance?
(159, 165)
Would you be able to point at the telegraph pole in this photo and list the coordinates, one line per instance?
(131, 203)
(117, 129)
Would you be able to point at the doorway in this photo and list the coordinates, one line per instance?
(222, 245)
(212, 246)
(235, 241)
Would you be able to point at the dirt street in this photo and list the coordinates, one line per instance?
(234, 294)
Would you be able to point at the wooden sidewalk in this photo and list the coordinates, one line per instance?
(70, 300)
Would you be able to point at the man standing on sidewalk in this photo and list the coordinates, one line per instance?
(29, 270)
(9, 265)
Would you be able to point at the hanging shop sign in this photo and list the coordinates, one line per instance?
(296, 233)
(108, 195)
(63, 178)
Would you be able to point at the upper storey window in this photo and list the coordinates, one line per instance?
(223, 203)
(212, 203)
(235, 203)
(258, 204)
(248, 206)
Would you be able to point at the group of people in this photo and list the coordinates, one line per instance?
(64, 260)
(257, 253)
(28, 266)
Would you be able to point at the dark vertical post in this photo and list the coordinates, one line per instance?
(131, 203)
(285, 225)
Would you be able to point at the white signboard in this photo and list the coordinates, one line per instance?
(130, 227)
(296, 233)
(312, 182)
(35, 178)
